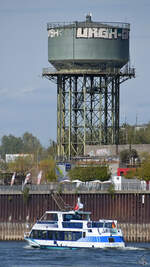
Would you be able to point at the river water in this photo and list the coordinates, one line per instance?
(19, 254)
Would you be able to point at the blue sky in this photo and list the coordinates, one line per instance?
(27, 101)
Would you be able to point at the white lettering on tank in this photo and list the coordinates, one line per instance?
(93, 33)
(113, 34)
(103, 32)
(54, 33)
(82, 33)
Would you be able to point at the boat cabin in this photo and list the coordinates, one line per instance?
(55, 216)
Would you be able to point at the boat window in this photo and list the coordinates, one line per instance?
(44, 234)
(61, 235)
(56, 235)
(76, 216)
(84, 234)
(50, 217)
(108, 225)
(97, 224)
(33, 234)
(72, 236)
(68, 217)
(50, 235)
(69, 236)
(66, 236)
(72, 225)
(76, 236)
(38, 234)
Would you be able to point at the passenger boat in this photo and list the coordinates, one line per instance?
(74, 229)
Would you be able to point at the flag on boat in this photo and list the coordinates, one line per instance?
(113, 225)
(79, 205)
(13, 178)
(39, 177)
(27, 178)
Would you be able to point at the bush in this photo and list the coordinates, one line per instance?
(48, 168)
(126, 155)
(90, 173)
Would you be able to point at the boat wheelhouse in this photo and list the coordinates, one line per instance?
(74, 229)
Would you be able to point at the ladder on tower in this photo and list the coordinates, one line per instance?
(60, 202)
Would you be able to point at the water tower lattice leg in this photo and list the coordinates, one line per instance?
(87, 109)
(87, 113)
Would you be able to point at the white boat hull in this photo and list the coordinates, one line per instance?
(76, 244)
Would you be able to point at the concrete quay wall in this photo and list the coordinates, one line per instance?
(132, 232)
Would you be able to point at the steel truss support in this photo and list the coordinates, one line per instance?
(87, 110)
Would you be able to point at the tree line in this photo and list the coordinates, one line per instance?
(38, 157)
(26, 144)
(134, 135)
(45, 158)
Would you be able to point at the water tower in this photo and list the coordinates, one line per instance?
(90, 60)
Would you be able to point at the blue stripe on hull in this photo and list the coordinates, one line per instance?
(102, 239)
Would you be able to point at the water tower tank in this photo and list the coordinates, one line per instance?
(88, 45)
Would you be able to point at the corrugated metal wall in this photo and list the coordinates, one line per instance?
(125, 207)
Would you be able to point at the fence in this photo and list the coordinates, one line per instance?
(77, 187)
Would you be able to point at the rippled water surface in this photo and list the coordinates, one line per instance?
(19, 254)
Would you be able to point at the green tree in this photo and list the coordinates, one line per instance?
(144, 171)
(10, 145)
(90, 173)
(30, 143)
(132, 173)
(52, 149)
(21, 164)
(48, 168)
(128, 155)
(3, 166)
(131, 135)
(27, 144)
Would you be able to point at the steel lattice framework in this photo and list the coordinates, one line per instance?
(87, 108)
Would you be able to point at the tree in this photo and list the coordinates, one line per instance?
(144, 171)
(30, 143)
(11, 145)
(21, 164)
(128, 156)
(132, 173)
(90, 173)
(3, 166)
(48, 168)
(52, 149)
(131, 135)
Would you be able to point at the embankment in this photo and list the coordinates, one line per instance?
(132, 210)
